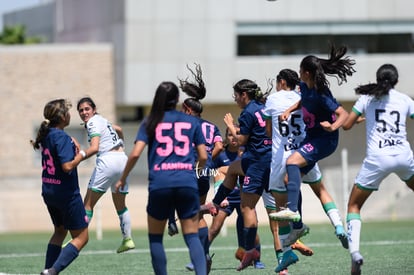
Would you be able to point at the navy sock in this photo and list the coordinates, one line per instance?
(221, 194)
(158, 257)
(66, 256)
(203, 235)
(52, 254)
(249, 237)
(299, 224)
(240, 234)
(293, 186)
(197, 256)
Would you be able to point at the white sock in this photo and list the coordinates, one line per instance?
(354, 232)
(334, 217)
(125, 223)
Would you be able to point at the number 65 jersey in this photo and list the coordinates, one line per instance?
(172, 153)
(386, 122)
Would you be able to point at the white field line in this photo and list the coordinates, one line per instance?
(213, 248)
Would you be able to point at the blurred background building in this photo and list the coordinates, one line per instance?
(153, 40)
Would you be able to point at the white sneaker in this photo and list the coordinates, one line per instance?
(285, 215)
(296, 234)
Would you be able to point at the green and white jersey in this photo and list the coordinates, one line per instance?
(99, 126)
(386, 122)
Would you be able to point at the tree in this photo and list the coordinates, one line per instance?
(17, 35)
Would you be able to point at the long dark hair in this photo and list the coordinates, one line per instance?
(387, 77)
(195, 90)
(337, 65)
(166, 98)
(53, 112)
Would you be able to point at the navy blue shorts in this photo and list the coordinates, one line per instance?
(231, 207)
(184, 200)
(315, 149)
(256, 176)
(71, 215)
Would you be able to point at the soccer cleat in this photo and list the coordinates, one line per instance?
(357, 261)
(259, 265)
(284, 272)
(239, 253)
(289, 257)
(285, 215)
(172, 229)
(248, 259)
(50, 271)
(209, 208)
(126, 245)
(190, 267)
(341, 235)
(296, 234)
(302, 248)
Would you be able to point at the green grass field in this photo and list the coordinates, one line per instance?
(387, 247)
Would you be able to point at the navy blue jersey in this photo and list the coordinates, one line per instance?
(58, 148)
(259, 145)
(211, 135)
(318, 107)
(172, 153)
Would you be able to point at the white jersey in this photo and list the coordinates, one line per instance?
(286, 135)
(99, 126)
(386, 122)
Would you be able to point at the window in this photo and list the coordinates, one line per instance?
(314, 38)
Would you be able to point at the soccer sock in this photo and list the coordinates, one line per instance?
(158, 257)
(299, 224)
(354, 231)
(52, 254)
(221, 194)
(249, 234)
(239, 229)
(258, 248)
(89, 213)
(203, 235)
(66, 256)
(293, 186)
(125, 222)
(284, 232)
(333, 213)
(197, 256)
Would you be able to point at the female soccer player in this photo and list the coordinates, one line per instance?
(323, 116)
(388, 150)
(214, 145)
(60, 186)
(106, 141)
(254, 164)
(174, 140)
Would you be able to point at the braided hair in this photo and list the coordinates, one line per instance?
(252, 90)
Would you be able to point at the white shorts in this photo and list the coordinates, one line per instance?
(108, 170)
(313, 176)
(375, 168)
(278, 173)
